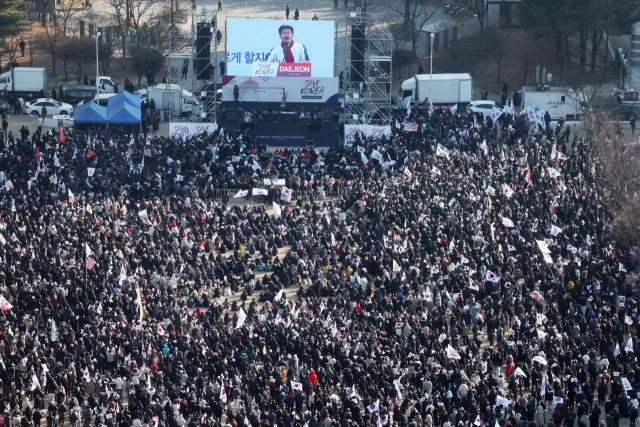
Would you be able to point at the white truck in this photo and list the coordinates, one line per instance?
(447, 89)
(24, 81)
(558, 101)
(172, 97)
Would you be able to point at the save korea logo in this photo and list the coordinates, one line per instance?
(351, 133)
(376, 133)
(312, 89)
(264, 69)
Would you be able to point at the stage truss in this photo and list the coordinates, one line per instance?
(368, 60)
(183, 48)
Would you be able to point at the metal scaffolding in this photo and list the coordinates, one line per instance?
(368, 48)
(182, 72)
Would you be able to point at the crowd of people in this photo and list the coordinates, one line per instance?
(449, 276)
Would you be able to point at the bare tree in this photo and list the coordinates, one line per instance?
(65, 52)
(586, 92)
(49, 42)
(526, 56)
(83, 52)
(31, 42)
(481, 11)
(415, 14)
(138, 9)
(105, 52)
(120, 14)
(499, 42)
(616, 158)
(66, 10)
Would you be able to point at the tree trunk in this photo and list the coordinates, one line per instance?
(407, 14)
(53, 63)
(606, 59)
(139, 79)
(124, 40)
(171, 12)
(583, 49)
(567, 50)
(558, 38)
(499, 67)
(595, 44)
(66, 74)
(44, 14)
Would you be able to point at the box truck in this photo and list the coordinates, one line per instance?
(447, 89)
(172, 97)
(24, 81)
(558, 101)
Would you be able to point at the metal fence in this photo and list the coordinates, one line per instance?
(227, 194)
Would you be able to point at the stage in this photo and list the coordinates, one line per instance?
(294, 125)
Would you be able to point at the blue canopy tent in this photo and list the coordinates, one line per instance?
(90, 113)
(124, 97)
(124, 114)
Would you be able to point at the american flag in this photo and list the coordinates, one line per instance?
(90, 263)
(410, 127)
(147, 151)
(130, 152)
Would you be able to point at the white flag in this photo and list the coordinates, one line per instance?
(629, 347)
(540, 360)
(452, 353)
(260, 192)
(276, 210)
(240, 194)
(241, 318)
(364, 158)
(91, 171)
(555, 230)
(278, 295)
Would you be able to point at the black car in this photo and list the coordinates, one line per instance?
(624, 111)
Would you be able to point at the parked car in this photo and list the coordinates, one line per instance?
(483, 107)
(53, 107)
(624, 112)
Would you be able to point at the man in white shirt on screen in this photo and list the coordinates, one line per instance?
(287, 51)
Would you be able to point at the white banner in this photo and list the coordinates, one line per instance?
(375, 131)
(269, 89)
(177, 130)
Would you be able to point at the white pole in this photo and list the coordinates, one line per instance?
(432, 35)
(98, 34)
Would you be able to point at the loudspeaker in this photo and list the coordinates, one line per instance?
(357, 53)
(203, 51)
